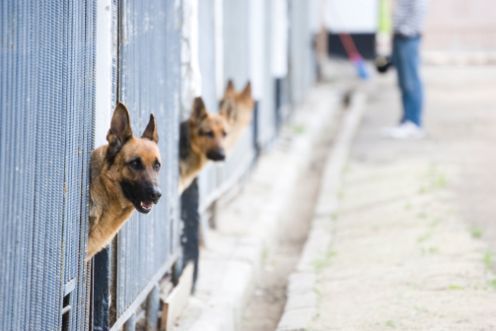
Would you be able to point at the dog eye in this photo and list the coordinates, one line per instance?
(136, 164)
(224, 133)
(209, 134)
(156, 166)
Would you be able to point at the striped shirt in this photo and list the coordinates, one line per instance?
(408, 16)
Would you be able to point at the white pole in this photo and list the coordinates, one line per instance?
(103, 75)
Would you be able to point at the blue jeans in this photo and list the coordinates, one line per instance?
(406, 59)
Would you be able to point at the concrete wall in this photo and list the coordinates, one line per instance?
(461, 25)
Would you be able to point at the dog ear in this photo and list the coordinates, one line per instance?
(230, 90)
(247, 90)
(226, 109)
(120, 131)
(199, 111)
(151, 130)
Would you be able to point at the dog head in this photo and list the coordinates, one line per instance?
(237, 107)
(134, 162)
(207, 132)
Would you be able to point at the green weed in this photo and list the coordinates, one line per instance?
(476, 233)
(455, 287)
(322, 263)
(488, 260)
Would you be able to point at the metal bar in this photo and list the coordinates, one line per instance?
(143, 294)
(130, 323)
(101, 290)
(70, 286)
(256, 130)
(278, 103)
(152, 306)
(190, 217)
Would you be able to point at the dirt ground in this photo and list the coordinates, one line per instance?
(414, 234)
(461, 123)
(266, 304)
(463, 103)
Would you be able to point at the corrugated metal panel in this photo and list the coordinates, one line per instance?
(267, 115)
(206, 47)
(236, 41)
(46, 86)
(149, 82)
(301, 60)
(215, 179)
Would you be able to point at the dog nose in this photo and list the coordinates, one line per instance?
(155, 194)
(216, 155)
(221, 156)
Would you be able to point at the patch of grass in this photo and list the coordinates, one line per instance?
(408, 205)
(424, 237)
(476, 233)
(298, 129)
(334, 216)
(439, 181)
(422, 190)
(346, 169)
(455, 287)
(265, 255)
(323, 262)
(390, 324)
(422, 215)
(488, 260)
(431, 250)
(436, 180)
(420, 309)
(318, 293)
(492, 284)
(435, 222)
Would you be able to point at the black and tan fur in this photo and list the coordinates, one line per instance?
(124, 177)
(202, 138)
(237, 109)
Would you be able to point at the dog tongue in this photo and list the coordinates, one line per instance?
(146, 205)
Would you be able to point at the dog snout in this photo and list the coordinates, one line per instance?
(155, 194)
(216, 155)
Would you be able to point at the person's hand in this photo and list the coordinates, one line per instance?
(382, 63)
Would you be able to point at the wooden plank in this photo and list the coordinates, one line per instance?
(177, 299)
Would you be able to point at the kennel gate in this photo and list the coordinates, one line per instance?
(146, 80)
(47, 55)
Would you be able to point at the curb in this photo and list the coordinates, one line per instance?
(302, 303)
(222, 310)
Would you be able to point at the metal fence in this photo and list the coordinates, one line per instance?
(249, 34)
(46, 116)
(47, 125)
(147, 81)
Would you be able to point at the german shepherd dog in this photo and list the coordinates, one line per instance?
(124, 177)
(201, 138)
(237, 109)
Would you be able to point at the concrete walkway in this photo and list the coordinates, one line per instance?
(402, 252)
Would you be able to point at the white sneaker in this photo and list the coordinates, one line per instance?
(406, 130)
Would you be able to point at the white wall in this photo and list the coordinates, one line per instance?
(279, 31)
(355, 16)
(190, 71)
(257, 43)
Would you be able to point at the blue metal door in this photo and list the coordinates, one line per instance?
(148, 81)
(46, 136)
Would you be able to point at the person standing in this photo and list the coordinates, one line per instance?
(408, 20)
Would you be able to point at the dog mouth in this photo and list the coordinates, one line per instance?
(144, 206)
(142, 197)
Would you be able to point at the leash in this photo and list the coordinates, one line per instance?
(354, 55)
